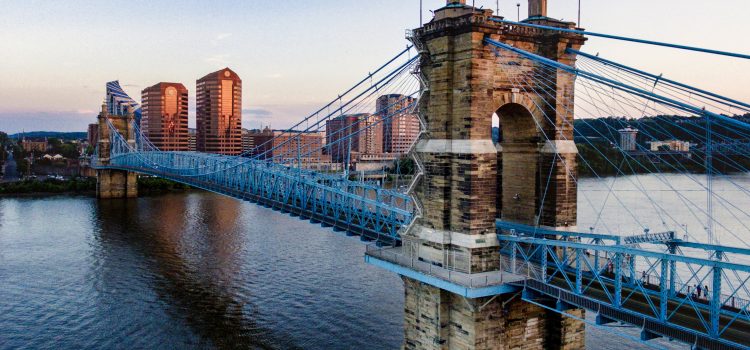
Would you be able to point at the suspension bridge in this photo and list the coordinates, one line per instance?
(509, 244)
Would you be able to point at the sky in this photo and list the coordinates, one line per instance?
(294, 55)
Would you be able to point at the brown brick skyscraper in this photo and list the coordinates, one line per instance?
(219, 113)
(165, 116)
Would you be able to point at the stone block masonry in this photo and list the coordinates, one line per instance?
(469, 181)
(435, 319)
(112, 183)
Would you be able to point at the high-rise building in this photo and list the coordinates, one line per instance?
(284, 146)
(219, 113)
(342, 136)
(192, 132)
(400, 123)
(628, 139)
(164, 118)
(358, 133)
(371, 136)
(247, 141)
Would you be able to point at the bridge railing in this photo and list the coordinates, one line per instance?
(397, 256)
(607, 274)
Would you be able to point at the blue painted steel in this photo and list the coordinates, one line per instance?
(603, 290)
(628, 250)
(716, 303)
(623, 38)
(118, 101)
(355, 207)
(539, 231)
(454, 288)
(711, 247)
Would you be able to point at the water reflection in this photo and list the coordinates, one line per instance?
(190, 249)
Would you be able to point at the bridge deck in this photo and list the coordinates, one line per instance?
(635, 308)
(469, 285)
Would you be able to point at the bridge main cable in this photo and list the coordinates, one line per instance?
(710, 95)
(618, 85)
(624, 38)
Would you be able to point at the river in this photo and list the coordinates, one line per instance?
(195, 270)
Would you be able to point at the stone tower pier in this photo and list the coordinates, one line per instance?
(113, 183)
(470, 181)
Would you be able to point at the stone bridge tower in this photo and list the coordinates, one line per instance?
(113, 183)
(470, 181)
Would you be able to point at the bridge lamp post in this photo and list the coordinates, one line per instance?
(518, 8)
(685, 226)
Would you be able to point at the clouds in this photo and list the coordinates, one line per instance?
(218, 60)
(257, 113)
(219, 38)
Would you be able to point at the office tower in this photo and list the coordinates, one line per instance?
(164, 118)
(400, 122)
(219, 113)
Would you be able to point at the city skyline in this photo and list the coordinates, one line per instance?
(56, 64)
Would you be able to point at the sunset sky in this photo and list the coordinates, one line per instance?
(293, 56)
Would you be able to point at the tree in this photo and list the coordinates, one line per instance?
(54, 143)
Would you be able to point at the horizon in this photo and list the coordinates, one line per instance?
(56, 65)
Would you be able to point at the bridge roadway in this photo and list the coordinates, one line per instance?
(354, 208)
(634, 311)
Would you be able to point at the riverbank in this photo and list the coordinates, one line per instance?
(83, 186)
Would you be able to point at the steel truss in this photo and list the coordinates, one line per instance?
(653, 289)
(354, 207)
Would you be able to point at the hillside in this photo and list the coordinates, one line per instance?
(49, 134)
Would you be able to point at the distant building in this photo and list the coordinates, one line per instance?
(191, 139)
(628, 139)
(672, 145)
(164, 118)
(371, 136)
(282, 146)
(247, 141)
(219, 113)
(92, 134)
(341, 136)
(400, 123)
(358, 133)
(34, 145)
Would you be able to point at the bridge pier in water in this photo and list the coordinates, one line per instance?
(469, 181)
(115, 183)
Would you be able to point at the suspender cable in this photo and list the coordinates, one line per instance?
(623, 38)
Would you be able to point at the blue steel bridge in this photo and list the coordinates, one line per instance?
(640, 267)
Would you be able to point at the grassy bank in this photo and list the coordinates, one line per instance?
(79, 185)
(84, 186)
(155, 185)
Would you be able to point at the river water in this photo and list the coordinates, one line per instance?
(194, 270)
